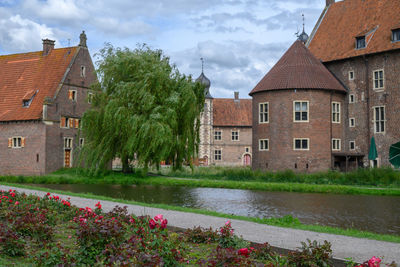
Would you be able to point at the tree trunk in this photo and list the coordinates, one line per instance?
(125, 165)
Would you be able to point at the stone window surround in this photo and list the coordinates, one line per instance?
(301, 112)
(217, 137)
(335, 113)
(352, 98)
(336, 144)
(301, 144)
(352, 122)
(263, 147)
(73, 94)
(83, 71)
(217, 154)
(380, 121)
(379, 88)
(260, 121)
(17, 142)
(233, 135)
(351, 75)
(68, 142)
(350, 145)
(89, 97)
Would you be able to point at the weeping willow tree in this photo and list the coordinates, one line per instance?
(143, 111)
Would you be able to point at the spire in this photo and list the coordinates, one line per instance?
(204, 80)
(303, 37)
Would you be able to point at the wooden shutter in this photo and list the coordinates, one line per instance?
(69, 94)
(22, 141)
(71, 123)
(62, 122)
(9, 142)
(76, 123)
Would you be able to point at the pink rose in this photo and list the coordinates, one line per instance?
(158, 217)
(164, 224)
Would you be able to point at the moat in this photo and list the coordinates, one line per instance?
(380, 214)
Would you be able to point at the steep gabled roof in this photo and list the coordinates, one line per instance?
(27, 75)
(228, 112)
(335, 36)
(298, 69)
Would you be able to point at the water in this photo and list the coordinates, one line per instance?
(380, 214)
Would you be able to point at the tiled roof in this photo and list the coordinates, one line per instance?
(30, 74)
(227, 112)
(334, 38)
(298, 69)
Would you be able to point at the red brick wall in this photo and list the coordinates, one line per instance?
(281, 130)
(366, 98)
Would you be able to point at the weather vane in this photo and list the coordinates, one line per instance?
(303, 21)
(202, 64)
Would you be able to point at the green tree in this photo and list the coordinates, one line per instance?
(143, 109)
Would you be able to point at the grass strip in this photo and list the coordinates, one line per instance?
(286, 221)
(120, 179)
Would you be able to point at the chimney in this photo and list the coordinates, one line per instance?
(82, 39)
(48, 45)
(236, 97)
(329, 2)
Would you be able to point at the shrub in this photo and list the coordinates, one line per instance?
(10, 242)
(201, 235)
(312, 254)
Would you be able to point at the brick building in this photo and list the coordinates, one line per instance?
(358, 42)
(225, 130)
(42, 98)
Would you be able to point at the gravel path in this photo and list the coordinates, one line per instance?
(343, 247)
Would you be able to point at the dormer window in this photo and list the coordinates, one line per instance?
(28, 98)
(396, 35)
(360, 42)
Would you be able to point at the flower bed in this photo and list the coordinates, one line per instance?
(49, 231)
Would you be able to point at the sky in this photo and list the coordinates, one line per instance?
(240, 40)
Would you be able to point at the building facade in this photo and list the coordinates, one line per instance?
(345, 82)
(43, 95)
(225, 130)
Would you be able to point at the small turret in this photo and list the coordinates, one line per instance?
(205, 81)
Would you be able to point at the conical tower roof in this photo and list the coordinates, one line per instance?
(298, 69)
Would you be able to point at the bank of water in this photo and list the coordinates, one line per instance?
(379, 214)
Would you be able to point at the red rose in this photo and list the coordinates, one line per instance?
(152, 224)
(243, 252)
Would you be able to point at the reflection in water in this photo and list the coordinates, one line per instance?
(379, 214)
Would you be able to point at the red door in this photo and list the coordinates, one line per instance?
(247, 160)
(67, 158)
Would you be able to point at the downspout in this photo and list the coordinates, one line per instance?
(367, 99)
(330, 126)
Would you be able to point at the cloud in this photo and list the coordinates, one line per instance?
(18, 34)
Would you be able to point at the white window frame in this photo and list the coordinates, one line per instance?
(15, 143)
(217, 135)
(352, 124)
(90, 97)
(335, 113)
(74, 95)
(352, 98)
(263, 113)
(216, 155)
(68, 142)
(301, 112)
(354, 145)
(379, 79)
(81, 142)
(379, 120)
(235, 136)
(83, 71)
(351, 73)
(336, 144)
(301, 144)
(261, 146)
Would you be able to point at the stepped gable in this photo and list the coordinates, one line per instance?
(334, 37)
(228, 112)
(28, 75)
(298, 69)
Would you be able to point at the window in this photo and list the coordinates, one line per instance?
(301, 144)
(235, 136)
(360, 42)
(90, 98)
(351, 75)
(263, 111)
(352, 122)
(352, 99)
(72, 95)
(300, 111)
(336, 144)
(66, 122)
(247, 149)
(378, 79)
(379, 119)
(16, 142)
(83, 71)
(263, 144)
(217, 154)
(81, 142)
(217, 135)
(336, 112)
(352, 145)
(67, 142)
(396, 35)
